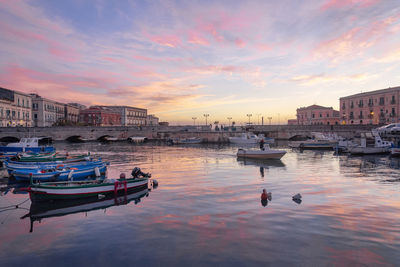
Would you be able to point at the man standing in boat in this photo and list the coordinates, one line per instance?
(262, 144)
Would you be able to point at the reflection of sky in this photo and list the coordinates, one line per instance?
(207, 210)
(182, 59)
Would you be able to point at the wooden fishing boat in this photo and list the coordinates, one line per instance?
(84, 189)
(77, 172)
(50, 157)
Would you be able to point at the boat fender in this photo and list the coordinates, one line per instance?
(97, 171)
(70, 174)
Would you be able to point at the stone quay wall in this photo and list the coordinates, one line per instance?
(283, 132)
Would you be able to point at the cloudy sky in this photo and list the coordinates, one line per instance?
(183, 59)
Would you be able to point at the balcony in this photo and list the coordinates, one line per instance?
(361, 117)
(392, 102)
(370, 104)
(360, 105)
(351, 117)
(381, 103)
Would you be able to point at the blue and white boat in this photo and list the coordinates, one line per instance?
(76, 172)
(15, 165)
(32, 144)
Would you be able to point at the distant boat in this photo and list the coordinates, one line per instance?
(371, 143)
(245, 138)
(32, 144)
(318, 141)
(190, 140)
(267, 153)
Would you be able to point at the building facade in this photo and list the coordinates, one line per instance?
(151, 120)
(315, 114)
(130, 116)
(46, 112)
(375, 107)
(15, 108)
(100, 116)
(71, 114)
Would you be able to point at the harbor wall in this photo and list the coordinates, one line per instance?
(93, 133)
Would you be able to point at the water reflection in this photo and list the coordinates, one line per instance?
(47, 209)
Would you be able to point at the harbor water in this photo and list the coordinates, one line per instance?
(207, 211)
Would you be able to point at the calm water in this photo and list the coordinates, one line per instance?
(207, 211)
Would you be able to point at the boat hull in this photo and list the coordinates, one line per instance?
(369, 150)
(270, 154)
(49, 191)
(45, 149)
(63, 175)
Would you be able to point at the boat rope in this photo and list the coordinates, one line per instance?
(14, 206)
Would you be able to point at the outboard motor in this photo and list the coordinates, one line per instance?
(137, 173)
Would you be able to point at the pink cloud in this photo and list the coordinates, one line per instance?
(338, 4)
(167, 40)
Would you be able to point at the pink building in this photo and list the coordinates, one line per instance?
(315, 114)
(375, 107)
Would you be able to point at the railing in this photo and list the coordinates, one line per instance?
(392, 102)
(370, 104)
(360, 105)
(382, 103)
(361, 117)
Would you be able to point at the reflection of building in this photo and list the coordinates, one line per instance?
(375, 107)
(151, 120)
(316, 114)
(15, 108)
(46, 112)
(130, 115)
(100, 116)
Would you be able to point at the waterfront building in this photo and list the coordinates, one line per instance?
(292, 122)
(315, 114)
(100, 116)
(46, 112)
(71, 114)
(130, 116)
(152, 120)
(15, 108)
(374, 107)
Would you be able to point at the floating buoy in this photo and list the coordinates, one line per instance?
(297, 196)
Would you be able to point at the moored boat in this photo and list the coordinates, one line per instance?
(32, 144)
(245, 138)
(318, 141)
(84, 189)
(189, 140)
(267, 153)
(371, 143)
(63, 173)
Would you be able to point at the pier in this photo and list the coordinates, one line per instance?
(93, 133)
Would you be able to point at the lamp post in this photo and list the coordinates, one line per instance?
(229, 119)
(206, 116)
(194, 120)
(258, 118)
(249, 115)
(269, 118)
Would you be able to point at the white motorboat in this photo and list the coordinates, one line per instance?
(318, 141)
(267, 153)
(371, 143)
(245, 138)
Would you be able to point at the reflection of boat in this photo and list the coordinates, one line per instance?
(371, 143)
(190, 140)
(265, 163)
(267, 153)
(87, 188)
(40, 210)
(318, 141)
(137, 139)
(245, 138)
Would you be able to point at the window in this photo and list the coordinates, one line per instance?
(381, 101)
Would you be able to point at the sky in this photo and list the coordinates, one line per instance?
(184, 59)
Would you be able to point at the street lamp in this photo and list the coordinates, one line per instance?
(258, 118)
(194, 120)
(269, 118)
(206, 115)
(249, 115)
(229, 119)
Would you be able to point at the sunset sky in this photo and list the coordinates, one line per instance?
(182, 59)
